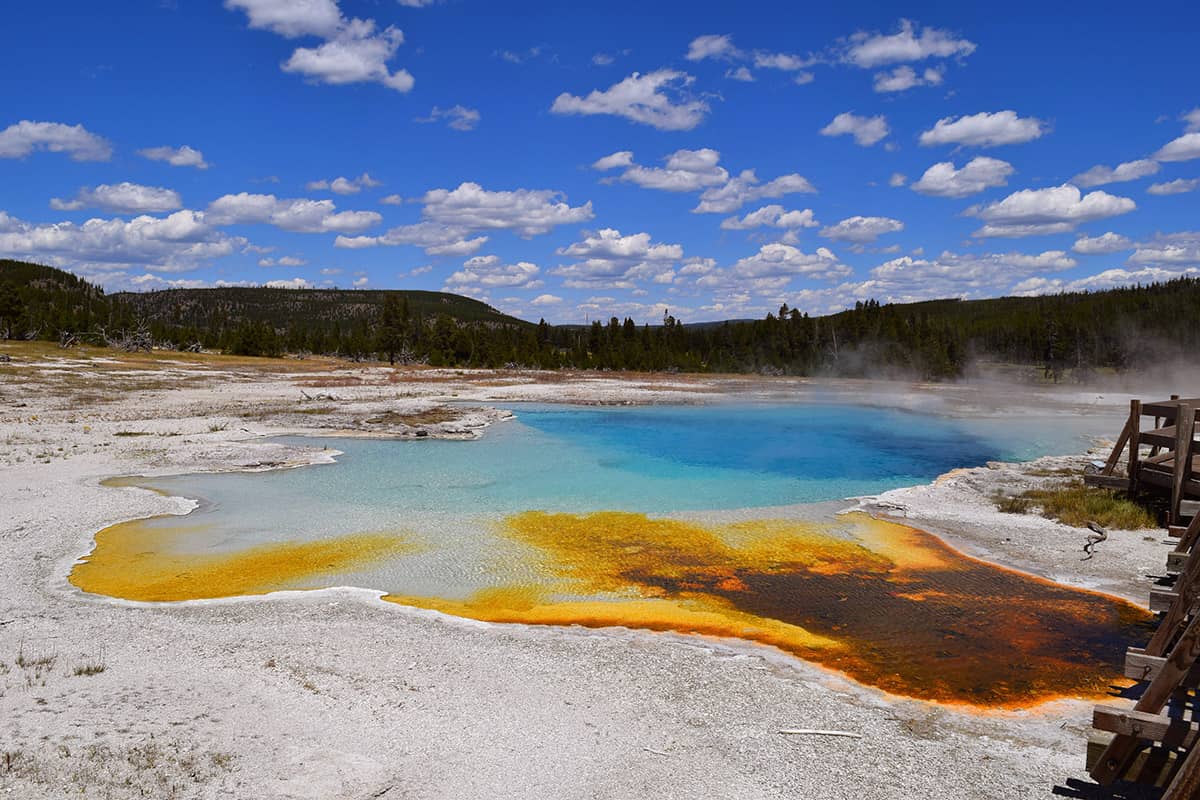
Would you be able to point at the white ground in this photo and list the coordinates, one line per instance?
(334, 694)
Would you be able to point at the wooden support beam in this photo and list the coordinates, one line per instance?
(1185, 427)
(1140, 666)
(1118, 448)
(1152, 475)
(1186, 784)
(1162, 599)
(1151, 766)
(1158, 423)
(1117, 756)
(1153, 727)
(1189, 536)
(1159, 437)
(1187, 586)
(1107, 481)
(1166, 408)
(1135, 423)
(1175, 562)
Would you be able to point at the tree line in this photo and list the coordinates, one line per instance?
(1071, 333)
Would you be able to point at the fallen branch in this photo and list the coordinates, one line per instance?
(656, 752)
(816, 732)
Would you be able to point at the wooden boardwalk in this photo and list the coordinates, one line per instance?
(1154, 740)
(1162, 457)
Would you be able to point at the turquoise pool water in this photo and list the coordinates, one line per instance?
(654, 460)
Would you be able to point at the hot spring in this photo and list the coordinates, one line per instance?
(689, 519)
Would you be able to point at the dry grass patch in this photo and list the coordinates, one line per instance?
(1076, 505)
(332, 382)
(319, 411)
(430, 416)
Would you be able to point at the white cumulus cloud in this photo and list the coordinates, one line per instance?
(291, 18)
(353, 51)
(985, 129)
(457, 117)
(1185, 148)
(1172, 249)
(25, 137)
(490, 272)
(772, 269)
(607, 259)
(435, 239)
(904, 77)
(746, 188)
(299, 215)
(718, 46)
(124, 197)
(695, 170)
(176, 156)
(1101, 245)
(1128, 171)
(1056, 209)
(527, 212)
(176, 243)
(358, 54)
(622, 158)
(772, 216)
(908, 280)
(659, 99)
(860, 230)
(1177, 186)
(865, 130)
(683, 170)
(451, 216)
(945, 180)
(868, 50)
(344, 186)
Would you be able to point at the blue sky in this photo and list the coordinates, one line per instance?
(581, 160)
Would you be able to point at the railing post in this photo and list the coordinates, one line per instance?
(1135, 440)
(1185, 426)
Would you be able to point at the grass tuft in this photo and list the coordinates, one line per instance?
(91, 666)
(1012, 503)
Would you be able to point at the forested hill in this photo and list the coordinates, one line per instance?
(280, 307)
(1062, 334)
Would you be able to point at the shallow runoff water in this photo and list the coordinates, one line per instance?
(606, 516)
